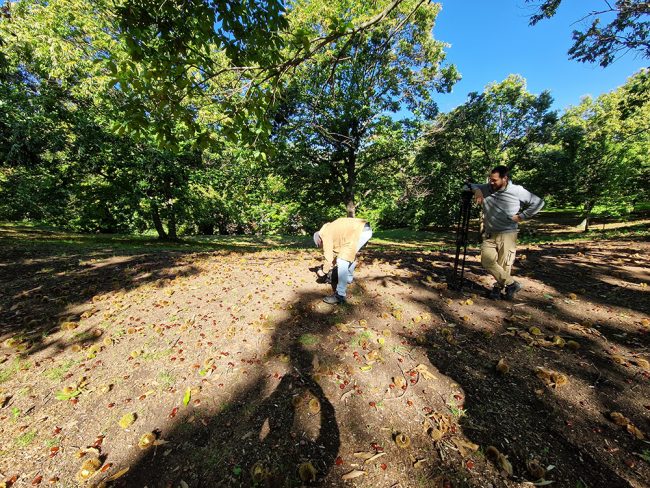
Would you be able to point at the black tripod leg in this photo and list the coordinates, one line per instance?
(459, 244)
(466, 211)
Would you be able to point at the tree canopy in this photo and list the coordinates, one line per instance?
(254, 117)
(616, 29)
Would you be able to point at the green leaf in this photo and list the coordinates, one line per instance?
(187, 397)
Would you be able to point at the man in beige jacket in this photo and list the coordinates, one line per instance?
(345, 237)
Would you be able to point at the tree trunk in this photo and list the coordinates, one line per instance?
(171, 223)
(155, 215)
(350, 167)
(349, 206)
(206, 229)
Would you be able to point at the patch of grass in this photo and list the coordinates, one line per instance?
(645, 455)
(67, 394)
(15, 412)
(308, 339)
(16, 365)
(51, 442)
(166, 379)
(456, 410)
(152, 356)
(358, 340)
(26, 439)
(57, 373)
(82, 336)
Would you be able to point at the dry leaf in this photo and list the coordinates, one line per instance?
(424, 371)
(353, 474)
(502, 366)
(375, 457)
(492, 454)
(464, 447)
(618, 418)
(88, 469)
(642, 363)
(365, 455)
(535, 469)
(127, 420)
(632, 429)
(420, 463)
(147, 440)
(504, 464)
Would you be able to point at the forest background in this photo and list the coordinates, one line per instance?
(201, 117)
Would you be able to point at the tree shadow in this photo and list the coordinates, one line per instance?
(47, 280)
(274, 423)
(517, 412)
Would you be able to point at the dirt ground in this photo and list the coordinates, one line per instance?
(242, 376)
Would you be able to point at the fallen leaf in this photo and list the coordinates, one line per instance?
(373, 458)
(464, 447)
(127, 420)
(187, 396)
(424, 371)
(353, 474)
(364, 454)
(146, 440)
(119, 474)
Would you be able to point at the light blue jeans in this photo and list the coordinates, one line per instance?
(346, 268)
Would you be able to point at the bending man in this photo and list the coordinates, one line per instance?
(505, 205)
(345, 237)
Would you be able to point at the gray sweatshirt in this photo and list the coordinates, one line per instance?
(500, 206)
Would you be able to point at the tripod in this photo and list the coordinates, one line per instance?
(462, 229)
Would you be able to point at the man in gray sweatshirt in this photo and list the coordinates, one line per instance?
(504, 206)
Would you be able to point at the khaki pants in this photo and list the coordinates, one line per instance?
(498, 255)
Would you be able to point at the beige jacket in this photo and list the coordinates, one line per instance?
(341, 237)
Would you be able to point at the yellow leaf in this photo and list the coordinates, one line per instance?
(119, 474)
(127, 420)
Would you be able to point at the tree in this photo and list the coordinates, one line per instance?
(628, 31)
(502, 125)
(189, 57)
(335, 128)
(59, 116)
(600, 153)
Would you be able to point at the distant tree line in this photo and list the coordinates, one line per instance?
(132, 116)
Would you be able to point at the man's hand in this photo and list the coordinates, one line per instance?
(517, 218)
(478, 196)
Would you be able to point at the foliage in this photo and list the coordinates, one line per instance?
(502, 125)
(600, 155)
(135, 116)
(628, 31)
(334, 128)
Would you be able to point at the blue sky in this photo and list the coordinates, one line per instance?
(491, 39)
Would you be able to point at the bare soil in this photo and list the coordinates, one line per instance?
(244, 377)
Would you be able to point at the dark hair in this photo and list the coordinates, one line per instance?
(502, 170)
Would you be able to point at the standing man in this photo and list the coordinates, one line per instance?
(345, 237)
(504, 206)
